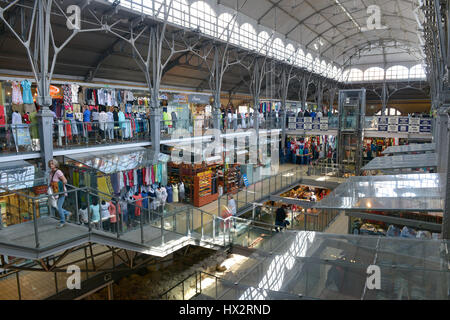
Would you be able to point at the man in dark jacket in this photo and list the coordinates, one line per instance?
(280, 218)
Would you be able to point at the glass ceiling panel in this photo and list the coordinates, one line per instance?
(411, 148)
(411, 192)
(328, 266)
(19, 175)
(109, 162)
(425, 160)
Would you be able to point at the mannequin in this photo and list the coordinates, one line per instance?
(175, 193)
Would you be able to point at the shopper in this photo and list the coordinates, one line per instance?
(232, 205)
(113, 210)
(58, 184)
(94, 208)
(102, 120)
(280, 218)
(83, 214)
(110, 124)
(104, 210)
(124, 211)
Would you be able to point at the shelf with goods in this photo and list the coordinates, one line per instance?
(199, 180)
(203, 189)
(415, 223)
(232, 176)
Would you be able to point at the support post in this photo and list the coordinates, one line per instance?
(155, 123)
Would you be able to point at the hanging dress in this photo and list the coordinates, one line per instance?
(16, 94)
(27, 96)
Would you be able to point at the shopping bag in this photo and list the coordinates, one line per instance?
(51, 198)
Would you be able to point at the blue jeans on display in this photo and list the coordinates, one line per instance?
(62, 212)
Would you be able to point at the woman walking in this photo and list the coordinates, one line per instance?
(58, 183)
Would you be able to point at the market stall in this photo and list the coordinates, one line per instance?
(385, 205)
(19, 182)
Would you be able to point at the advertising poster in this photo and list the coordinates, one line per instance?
(21, 133)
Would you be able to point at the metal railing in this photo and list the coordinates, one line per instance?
(136, 221)
(263, 188)
(74, 132)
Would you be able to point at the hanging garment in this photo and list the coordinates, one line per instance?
(160, 171)
(147, 176)
(67, 93)
(73, 124)
(16, 118)
(130, 178)
(125, 179)
(152, 195)
(159, 197)
(135, 178)
(181, 192)
(115, 181)
(169, 194)
(74, 90)
(138, 205)
(121, 183)
(164, 195)
(153, 173)
(26, 89)
(144, 196)
(164, 174)
(16, 94)
(175, 193)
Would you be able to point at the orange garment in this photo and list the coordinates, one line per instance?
(138, 205)
(68, 129)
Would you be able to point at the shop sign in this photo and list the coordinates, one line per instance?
(403, 120)
(393, 120)
(425, 129)
(54, 90)
(425, 122)
(308, 126)
(292, 119)
(324, 120)
(383, 120)
(414, 129)
(198, 98)
(392, 128)
(414, 121)
(308, 120)
(180, 98)
(382, 128)
(402, 128)
(324, 126)
(300, 126)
